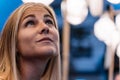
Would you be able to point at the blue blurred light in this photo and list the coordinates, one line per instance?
(6, 8)
(116, 6)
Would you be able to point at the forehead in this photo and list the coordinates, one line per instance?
(35, 10)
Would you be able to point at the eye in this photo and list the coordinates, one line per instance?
(30, 23)
(49, 22)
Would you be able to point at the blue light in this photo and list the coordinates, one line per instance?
(116, 6)
(6, 8)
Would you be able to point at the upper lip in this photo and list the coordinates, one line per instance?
(44, 39)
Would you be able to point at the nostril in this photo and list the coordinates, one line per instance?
(44, 31)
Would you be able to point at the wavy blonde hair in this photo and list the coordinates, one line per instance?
(8, 41)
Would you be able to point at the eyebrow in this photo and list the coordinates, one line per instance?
(47, 15)
(31, 15)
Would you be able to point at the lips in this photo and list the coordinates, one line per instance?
(45, 39)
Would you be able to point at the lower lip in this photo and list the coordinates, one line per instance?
(45, 41)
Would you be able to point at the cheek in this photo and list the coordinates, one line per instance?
(25, 35)
(24, 40)
(56, 35)
(57, 40)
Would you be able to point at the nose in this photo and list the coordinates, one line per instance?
(44, 29)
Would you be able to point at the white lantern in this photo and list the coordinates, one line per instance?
(115, 40)
(117, 21)
(118, 51)
(96, 7)
(76, 11)
(114, 1)
(46, 2)
(104, 29)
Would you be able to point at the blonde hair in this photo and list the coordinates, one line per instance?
(8, 64)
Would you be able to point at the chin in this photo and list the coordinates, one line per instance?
(48, 51)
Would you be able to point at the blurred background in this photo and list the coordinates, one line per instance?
(89, 36)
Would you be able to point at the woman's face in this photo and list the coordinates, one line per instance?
(37, 34)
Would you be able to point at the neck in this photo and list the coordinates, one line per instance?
(32, 69)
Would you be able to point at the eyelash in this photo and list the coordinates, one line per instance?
(30, 22)
(49, 22)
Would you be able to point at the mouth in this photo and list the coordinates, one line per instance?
(46, 39)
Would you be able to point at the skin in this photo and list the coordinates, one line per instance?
(37, 42)
(117, 77)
